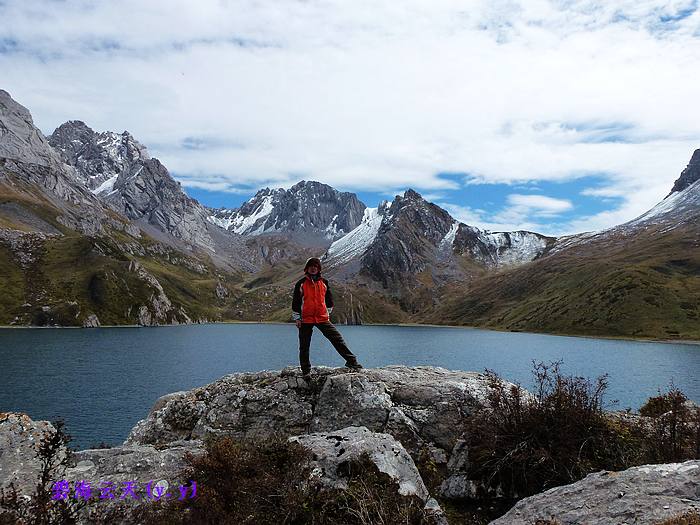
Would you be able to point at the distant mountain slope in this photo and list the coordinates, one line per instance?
(397, 241)
(638, 279)
(99, 158)
(93, 230)
(121, 173)
(309, 212)
(69, 258)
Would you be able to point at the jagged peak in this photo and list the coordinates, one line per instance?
(310, 185)
(24, 141)
(9, 106)
(73, 125)
(410, 193)
(689, 175)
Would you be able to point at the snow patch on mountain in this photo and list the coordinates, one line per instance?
(676, 202)
(225, 221)
(244, 225)
(358, 240)
(509, 248)
(449, 239)
(107, 185)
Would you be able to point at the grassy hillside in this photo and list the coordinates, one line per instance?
(642, 286)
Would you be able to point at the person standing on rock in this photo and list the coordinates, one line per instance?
(312, 303)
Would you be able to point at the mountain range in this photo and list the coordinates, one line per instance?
(93, 230)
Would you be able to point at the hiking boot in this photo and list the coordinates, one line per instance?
(306, 375)
(354, 366)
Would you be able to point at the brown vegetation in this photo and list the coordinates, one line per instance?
(267, 482)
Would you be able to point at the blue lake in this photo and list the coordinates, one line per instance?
(102, 381)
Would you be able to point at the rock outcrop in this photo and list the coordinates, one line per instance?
(643, 495)
(417, 405)
(690, 175)
(20, 438)
(394, 414)
(333, 449)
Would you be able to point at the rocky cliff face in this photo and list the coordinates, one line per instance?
(407, 239)
(97, 157)
(149, 195)
(20, 140)
(118, 169)
(310, 210)
(32, 170)
(689, 175)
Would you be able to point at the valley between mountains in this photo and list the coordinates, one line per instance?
(94, 231)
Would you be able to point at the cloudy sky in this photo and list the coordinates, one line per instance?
(553, 116)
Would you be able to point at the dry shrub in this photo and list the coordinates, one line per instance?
(521, 444)
(689, 518)
(266, 482)
(673, 434)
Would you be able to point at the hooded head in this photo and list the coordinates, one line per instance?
(313, 261)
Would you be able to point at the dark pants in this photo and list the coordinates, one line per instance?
(331, 333)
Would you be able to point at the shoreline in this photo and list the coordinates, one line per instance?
(692, 342)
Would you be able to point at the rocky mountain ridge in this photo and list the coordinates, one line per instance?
(309, 211)
(28, 162)
(69, 257)
(121, 173)
(689, 176)
(99, 197)
(97, 157)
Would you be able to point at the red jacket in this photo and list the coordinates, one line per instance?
(312, 301)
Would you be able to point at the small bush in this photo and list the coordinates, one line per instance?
(673, 434)
(521, 444)
(267, 482)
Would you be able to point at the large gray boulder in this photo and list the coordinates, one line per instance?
(419, 406)
(331, 450)
(144, 467)
(20, 438)
(640, 495)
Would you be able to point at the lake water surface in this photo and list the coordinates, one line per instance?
(102, 381)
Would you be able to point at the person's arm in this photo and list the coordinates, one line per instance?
(297, 301)
(329, 297)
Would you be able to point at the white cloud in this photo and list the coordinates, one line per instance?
(374, 95)
(539, 204)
